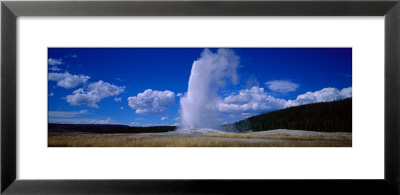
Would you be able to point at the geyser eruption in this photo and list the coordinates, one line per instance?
(199, 106)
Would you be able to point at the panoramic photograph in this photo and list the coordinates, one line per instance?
(199, 97)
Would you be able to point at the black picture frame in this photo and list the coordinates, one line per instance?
(10, 10)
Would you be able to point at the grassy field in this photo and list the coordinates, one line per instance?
(249, 139)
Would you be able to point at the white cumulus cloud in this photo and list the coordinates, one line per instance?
(152, 101)
(68, 80)
(255, 100)
(323, 95)
(93, 93)
(54, 68)
(164, 118)
(117, 99)
(53, 62)
(250, 100)
(84, 111)
(281, 86)
(346, 92)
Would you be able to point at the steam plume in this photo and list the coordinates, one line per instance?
(209, 73)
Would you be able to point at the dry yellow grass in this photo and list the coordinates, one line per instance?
(280, 136)
(204, 140)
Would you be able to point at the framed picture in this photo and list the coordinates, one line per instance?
(224, 104)
(263, 95)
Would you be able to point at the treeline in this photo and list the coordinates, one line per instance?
(335, 116)
(151, 129)
(100, 128)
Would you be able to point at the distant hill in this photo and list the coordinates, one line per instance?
(100, 128)
(335, 116)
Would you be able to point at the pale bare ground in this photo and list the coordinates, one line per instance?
(279, 138)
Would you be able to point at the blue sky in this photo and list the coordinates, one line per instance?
(143, 86)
